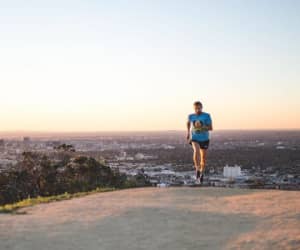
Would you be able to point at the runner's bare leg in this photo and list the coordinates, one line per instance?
(203, 153)
(196, 156)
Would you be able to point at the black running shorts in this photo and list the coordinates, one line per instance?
(202, 144)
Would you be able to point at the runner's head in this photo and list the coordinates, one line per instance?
(198, 107)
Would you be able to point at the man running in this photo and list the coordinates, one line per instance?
(198, 137)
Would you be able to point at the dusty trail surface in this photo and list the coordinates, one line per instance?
(152, 218)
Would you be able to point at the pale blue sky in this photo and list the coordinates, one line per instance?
(127, 65)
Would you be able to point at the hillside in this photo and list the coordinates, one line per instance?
(152, 218)
(38, 174)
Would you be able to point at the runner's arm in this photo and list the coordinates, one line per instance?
(209, 127)
(188, 126)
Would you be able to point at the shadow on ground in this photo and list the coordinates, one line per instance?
(147, 228)
(151, 218)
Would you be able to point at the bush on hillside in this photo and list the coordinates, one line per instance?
(38, 175)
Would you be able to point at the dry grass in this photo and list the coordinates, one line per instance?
(12, 208)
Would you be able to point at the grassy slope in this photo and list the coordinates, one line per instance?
(11, 208)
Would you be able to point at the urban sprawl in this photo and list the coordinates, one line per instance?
(245, 159)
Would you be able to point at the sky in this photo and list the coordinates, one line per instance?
(139, 65)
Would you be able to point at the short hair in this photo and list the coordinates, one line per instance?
(198, 103)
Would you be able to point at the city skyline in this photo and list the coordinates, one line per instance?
(75, 66)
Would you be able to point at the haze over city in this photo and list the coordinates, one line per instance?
(149, 124)
(98, 65)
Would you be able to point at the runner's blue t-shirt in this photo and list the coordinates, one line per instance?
(198, 122)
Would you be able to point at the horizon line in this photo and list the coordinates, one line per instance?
(134, 131)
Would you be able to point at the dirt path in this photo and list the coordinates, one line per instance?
(151, 218)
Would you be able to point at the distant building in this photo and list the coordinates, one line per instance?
(164, 146)
(26, 143)
(162, 185)
(139, 156)
(2, 144)
(123, 154)
(231, 172)
(26, 139)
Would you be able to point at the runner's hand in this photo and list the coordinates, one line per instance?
(205, 128)
(188, 137)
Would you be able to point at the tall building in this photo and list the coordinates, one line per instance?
(2, 144)
(26, 143)
(231, 172)
(26, 139)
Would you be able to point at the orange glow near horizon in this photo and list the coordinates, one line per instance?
(91, 66)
